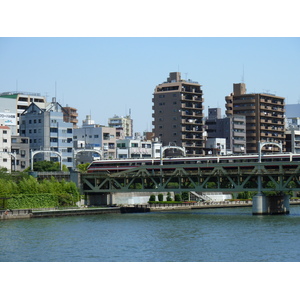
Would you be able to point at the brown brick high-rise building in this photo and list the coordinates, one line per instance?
(178, 114)
(264, 117)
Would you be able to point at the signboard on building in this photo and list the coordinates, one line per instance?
(8, 118)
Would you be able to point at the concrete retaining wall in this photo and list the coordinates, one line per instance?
(136, 198)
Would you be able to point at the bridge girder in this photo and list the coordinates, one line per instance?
(284, 177)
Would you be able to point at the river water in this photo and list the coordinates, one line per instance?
(204, 235)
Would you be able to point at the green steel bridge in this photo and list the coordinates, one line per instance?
(279, 176)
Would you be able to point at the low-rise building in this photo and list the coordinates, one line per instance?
(93, 136)
(130, 148)
(21, 152)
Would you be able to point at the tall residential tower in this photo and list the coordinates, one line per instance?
(264, 117)
(178, 114)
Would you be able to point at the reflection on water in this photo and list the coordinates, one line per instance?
(231, 234)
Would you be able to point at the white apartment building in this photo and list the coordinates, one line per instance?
(130, 148)
(5, 147)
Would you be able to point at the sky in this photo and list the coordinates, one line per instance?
(107, 76)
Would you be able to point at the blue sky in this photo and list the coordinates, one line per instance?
(106, 76)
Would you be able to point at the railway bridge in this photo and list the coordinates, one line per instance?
(274, 177)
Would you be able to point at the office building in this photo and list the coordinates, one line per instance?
(178, 114)
(13, 104)
(264, 117)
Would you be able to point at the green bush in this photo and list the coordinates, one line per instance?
(185, 196)
(160, 197)
(25, 201)
(177, 197)
(152, 198)
(169, 198)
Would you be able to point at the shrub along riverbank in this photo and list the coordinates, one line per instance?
(22, 192)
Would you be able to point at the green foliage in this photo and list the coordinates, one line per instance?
(65, 193)
(169, 198)
(177, 197)
(24, 201)
(185, 196)
(47, 166)
(83, 167)
(246, 195)
(160, 197)
(152, 198)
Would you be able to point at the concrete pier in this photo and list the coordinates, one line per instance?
(270, 205)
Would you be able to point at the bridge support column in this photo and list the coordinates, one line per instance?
(270, 205)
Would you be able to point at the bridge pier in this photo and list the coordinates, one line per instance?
(270, 205)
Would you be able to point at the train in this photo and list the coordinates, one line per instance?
(118, 165)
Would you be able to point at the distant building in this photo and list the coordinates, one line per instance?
(292, 111)
(20, 149)
(264, 117)
(232, 128)
(48, 132)
(93, 136)
(13, 104)
(5, 147)
(129, 148)
(215, 146)
(178, 114)
(123, 125)
(70, 115)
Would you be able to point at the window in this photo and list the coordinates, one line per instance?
(4, 140)
(96, 136)
(4, 131)
(134, 145)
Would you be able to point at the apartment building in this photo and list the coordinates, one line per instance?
(70, 115)
(264, 117)
(48, 132)
(124, 126)
(178, 114)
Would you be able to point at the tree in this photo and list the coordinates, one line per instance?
(47, 166)
(83, 167)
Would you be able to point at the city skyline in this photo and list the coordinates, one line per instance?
(103, 77)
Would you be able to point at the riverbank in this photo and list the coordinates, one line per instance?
(29, 213)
